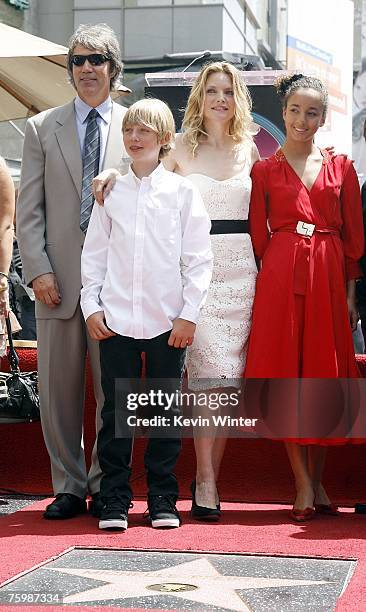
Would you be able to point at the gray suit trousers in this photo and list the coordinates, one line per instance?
(62, 348)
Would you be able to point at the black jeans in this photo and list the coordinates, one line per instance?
(120, 358)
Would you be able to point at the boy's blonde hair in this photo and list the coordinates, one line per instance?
(240, 127)
(157, 116)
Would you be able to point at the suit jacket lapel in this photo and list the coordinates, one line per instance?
(68, 141)
(114, 148)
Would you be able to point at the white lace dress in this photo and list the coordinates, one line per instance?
(220, 342)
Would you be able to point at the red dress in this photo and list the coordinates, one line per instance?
(300, 322)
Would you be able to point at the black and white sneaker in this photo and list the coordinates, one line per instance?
(114, 515)
(162, 511)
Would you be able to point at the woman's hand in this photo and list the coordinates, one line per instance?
(353, 314)
(351, 302)
(104, 183)
(331, 150)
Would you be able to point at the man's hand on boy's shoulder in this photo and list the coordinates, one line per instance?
(103, 184)
(97, 328)
(182, 333)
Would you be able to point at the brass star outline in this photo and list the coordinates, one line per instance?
(214, 589)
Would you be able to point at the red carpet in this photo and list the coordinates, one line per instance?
(253, 470)
(244, 528)
(247, 471)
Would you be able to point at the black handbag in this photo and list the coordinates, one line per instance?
(19, 399)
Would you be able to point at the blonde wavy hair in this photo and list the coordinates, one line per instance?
(193, 121)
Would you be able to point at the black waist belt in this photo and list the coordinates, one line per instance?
(229, 226)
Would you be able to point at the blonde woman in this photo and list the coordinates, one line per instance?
(216, 152)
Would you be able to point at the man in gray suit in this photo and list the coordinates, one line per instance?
(63, 149)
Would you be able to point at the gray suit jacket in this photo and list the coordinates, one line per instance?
(48, 207)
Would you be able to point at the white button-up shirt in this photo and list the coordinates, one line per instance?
(147, 256)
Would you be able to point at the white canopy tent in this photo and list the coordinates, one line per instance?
(33, 75)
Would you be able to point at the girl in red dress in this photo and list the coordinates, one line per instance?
(307, 230)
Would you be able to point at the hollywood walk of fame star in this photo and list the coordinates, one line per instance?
(214, 589)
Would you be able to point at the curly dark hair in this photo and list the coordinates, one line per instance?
(287, 84)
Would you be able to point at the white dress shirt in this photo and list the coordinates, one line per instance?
(147, 256)
(82, 111)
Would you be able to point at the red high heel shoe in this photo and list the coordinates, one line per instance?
(328, 509)
(301, 515)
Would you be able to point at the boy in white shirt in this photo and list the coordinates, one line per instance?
(146, 267)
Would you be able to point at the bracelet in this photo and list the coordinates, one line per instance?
(3, 274)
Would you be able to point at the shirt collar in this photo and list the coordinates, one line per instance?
(104, 109)
(155, 176)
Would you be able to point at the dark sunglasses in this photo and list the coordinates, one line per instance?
(95, 59)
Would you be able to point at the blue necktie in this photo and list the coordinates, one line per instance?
(90, 168)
